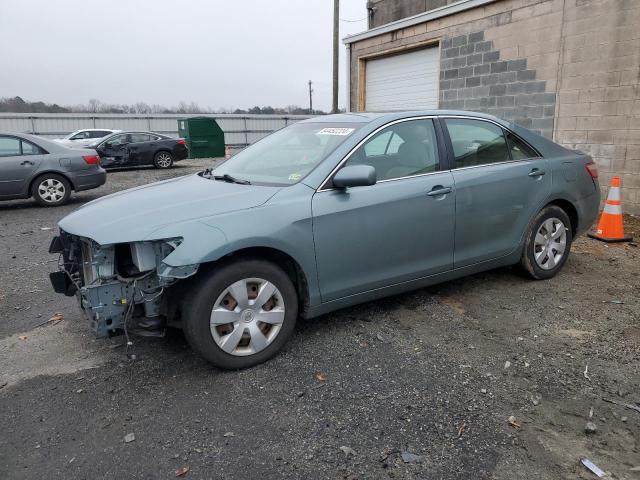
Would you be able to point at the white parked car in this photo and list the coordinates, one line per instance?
(82, 138)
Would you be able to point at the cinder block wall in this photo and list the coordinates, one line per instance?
(568, 69)
(477, 76)
(599, 89)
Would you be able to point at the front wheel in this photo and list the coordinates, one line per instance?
(163, 160)
(241, 314)
(547, 244)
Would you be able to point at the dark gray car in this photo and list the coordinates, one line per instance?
(31, 166)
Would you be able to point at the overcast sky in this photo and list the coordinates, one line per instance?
(218, 53)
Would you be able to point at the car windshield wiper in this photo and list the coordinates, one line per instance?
(228, 178)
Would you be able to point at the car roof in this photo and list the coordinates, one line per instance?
(544, 145)
(48, 145)
(140, 131)
(96, 130)
(368, 117)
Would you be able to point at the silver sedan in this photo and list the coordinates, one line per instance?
(31, 166)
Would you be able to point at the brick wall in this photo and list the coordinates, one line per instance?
(569, 69)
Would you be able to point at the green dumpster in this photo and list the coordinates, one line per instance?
(204, 137)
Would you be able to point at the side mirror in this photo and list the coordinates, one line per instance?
(355, 176)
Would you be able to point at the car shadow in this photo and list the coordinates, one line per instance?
(147, 167)
(30, 204)
(415, 299)
(175, 344)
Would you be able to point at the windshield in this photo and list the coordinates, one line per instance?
(288, 155)
(71, 135)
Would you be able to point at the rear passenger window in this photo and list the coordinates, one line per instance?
(30, 149)
(476, 142)
(519, 149)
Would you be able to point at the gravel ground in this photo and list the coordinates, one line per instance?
(419, 385)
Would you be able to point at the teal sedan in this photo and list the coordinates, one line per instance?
(326, 213)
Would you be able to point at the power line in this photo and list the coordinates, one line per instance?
(353, 21)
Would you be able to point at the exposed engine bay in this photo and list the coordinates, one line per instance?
(120, 287)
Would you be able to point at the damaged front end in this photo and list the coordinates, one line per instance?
(120, 287)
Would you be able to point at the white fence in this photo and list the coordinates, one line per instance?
(239, 130)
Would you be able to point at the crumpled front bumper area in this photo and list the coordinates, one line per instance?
(119, 287)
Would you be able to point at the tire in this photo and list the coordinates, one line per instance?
(163, 159)
(247, 341)
(540, 258)
(51, 190)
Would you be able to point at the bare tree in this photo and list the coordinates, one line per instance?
(142, 107)
(94, 105)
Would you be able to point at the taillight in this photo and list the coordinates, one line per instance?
(181, 141)
(92, 159)
(592, 168)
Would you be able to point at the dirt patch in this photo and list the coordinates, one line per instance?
(574, 333)
(48, 350)
(454, 304)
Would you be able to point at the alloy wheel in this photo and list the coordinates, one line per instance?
(51, 190)
(247, 316)
(550, 243)
(163, 160)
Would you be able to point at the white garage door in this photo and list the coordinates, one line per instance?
(407, 81)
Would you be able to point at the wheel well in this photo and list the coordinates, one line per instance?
(279, 258)
(45, 173)
(571, 212)
(162, 150)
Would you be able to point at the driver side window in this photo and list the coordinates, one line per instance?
(115, 141)
(401, 150)
(80, 136)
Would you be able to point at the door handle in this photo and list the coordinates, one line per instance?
(536, 172)
(27, 162)
(438, 191)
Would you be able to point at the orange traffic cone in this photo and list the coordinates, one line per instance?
(611, 227)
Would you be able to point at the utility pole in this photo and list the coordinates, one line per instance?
(310, 99)
(336, 34)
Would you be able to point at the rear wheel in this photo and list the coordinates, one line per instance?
(547, 244)
(163, 159)
(241, 314)
(51, 190)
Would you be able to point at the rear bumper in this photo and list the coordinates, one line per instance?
(180, 153)
(588, 208)
(86, 180)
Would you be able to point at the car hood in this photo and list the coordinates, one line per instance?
(135, 214)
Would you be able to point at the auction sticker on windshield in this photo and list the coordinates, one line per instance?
(336, 131)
